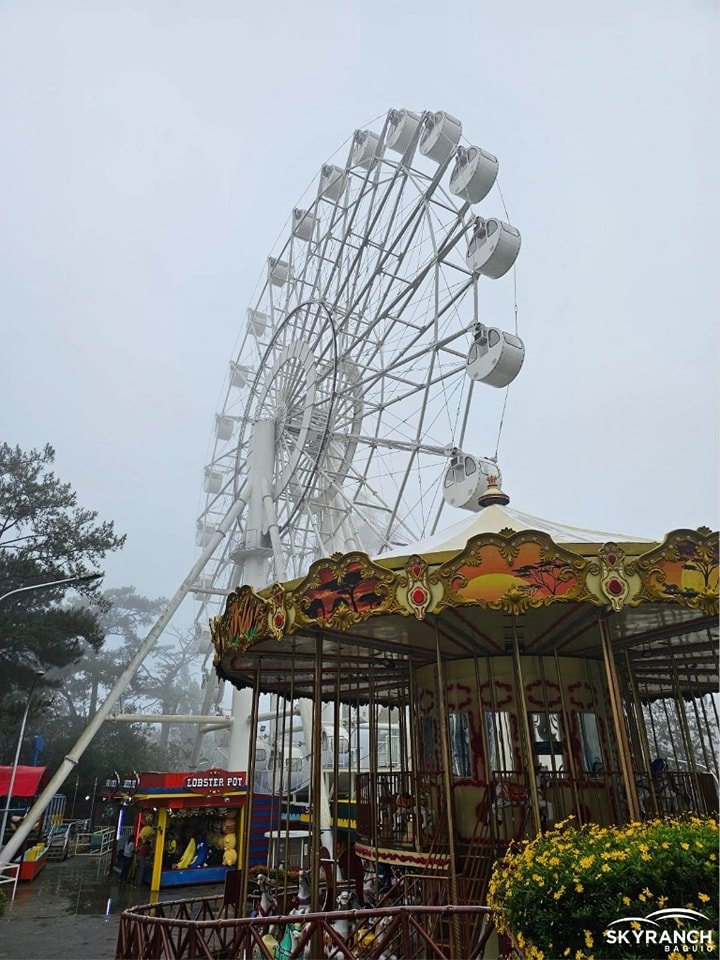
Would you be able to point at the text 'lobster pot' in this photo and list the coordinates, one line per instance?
(402, 126)
(495, 357)
(467, 479)
(474, 174)
(493, 248)
(440, 136)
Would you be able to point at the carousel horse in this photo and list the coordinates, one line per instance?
(341, 925)
(304, 894)
(370, 883)
(266, 908)
(293, 931)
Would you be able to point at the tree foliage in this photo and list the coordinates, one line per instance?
(44, 536)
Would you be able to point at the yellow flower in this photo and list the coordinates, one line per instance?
(586, 862)
(662, 901)
(579, 887)
(642, 898)
(566, 952)
(685, 846)
(648, 893)
(605, 868)
(645, 856)
(588, 938)
(635, 925)
(626, 901)
(704, 897)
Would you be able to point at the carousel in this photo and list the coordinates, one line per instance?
(448, 692)
(534, 672)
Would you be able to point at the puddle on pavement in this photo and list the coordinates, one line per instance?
(83, 886)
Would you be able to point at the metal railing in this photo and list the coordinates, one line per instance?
(202, 929)
(10, 873)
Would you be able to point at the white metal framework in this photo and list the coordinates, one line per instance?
(351, 387)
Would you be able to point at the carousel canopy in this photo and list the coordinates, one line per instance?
(499, 516)
(473, 590)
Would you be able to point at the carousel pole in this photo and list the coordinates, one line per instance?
(315, 820)
(644, 742)
(247, 818)
(416, 773)
(521, 700)
(684, 726)
(617, 717)
(566, 723)
(449, 792)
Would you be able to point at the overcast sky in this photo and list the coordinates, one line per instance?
(152, 151)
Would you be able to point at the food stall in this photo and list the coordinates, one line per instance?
(194, 822)
(27, 783)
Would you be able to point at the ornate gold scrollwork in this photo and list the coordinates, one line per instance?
(244, 620)
(516, 571)
(342, 591)
(682, 570)
(414, 586)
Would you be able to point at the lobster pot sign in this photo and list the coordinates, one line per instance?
(440, 136)
(474, 174)
(495, 357)
(493, 248)
(467, 479)
(402, 126)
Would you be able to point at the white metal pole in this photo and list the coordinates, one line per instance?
(254, 571)
(86, 737)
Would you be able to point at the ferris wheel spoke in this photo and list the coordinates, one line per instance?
(359, 356)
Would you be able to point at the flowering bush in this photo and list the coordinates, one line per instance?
(556, 895)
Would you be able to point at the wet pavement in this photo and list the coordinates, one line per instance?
(71, 911)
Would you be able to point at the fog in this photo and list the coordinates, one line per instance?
(152, 152)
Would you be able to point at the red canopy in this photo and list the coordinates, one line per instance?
(27, 781)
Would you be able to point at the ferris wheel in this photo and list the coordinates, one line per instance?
(344, 415)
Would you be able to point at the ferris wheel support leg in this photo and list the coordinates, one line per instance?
(86, 737)
(253, 571)
(326, 837)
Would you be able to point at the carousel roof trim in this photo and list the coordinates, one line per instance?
(497, 517)
(367, 609)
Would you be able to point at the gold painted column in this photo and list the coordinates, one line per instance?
(521, 700)
(616, 709)
(162, 817)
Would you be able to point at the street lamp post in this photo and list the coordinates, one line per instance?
(86, 578)
(38, 675)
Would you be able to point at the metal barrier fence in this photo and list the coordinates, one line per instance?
(10, 873)
(202, 929)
